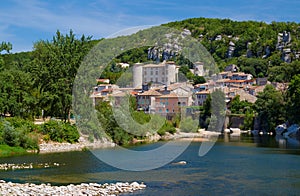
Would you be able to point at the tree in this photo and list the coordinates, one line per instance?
(284, 72)
(239, 107)
(248, 120)
(294, 99)
(55, 67)
(7, 46)
(4, 46)
(270, 108)
(199, 80)
(16, 96)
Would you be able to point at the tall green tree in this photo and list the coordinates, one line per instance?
(5, 46)
(270, 108)
(55, 67)
(294, 99)
(16, 98)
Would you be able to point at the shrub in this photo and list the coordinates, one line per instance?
(167, 127)
(189, 125)
(15, 134)
(60, 132)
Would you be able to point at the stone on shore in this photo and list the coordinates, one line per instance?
(9, 188)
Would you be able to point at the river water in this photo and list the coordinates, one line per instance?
(244, 166)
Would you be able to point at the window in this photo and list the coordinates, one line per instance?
(156, 80)
(156, 72)
(151, 73)
(167, 110)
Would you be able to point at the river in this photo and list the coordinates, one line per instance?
(245, 166)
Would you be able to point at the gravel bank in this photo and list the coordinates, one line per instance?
(53, 147)
(16, 189)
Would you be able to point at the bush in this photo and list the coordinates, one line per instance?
(19, 122)
(60, 132)
(121, 137)
(189, 125)
(167, 127)
(16, 134)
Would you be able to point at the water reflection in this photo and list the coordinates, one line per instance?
(266, 141)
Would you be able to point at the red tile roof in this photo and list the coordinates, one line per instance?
(150, 93)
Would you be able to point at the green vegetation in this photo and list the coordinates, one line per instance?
(247, 36)
(240, 107)
(167, 127)
(60, 132)
(19, 133)
(114, 129)
(18, 136)
(271, 108)
(243, 109)
(39, 83)
(293, 100)
(189, 125)
(7, 151)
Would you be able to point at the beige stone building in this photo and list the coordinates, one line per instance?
(165, 73)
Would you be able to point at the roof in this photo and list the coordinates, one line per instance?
(107, 90)
(154, 65)
(244, 96)
(119, 94)
(124, 93)
(203, 92)
(224, 72)
(134, 93)
(103, 80)
(150, 93)
(171, 95)
(204, 84)
(222, 80)
(236, 81)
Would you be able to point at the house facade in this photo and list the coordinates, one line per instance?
(200, 97)
(164, 73)
(146, 100)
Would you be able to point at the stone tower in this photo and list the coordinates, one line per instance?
(137, 75)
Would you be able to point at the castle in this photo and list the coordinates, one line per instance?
(164, 73)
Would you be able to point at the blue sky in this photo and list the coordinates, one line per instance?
(23, 22)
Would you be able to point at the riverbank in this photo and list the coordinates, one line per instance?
(7, 151)
(84, 144)
(9, 188)
(53, 147)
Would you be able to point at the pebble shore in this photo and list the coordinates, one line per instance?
(53, 147)
(12, 166)
(27, 189)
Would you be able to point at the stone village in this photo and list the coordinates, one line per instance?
(167, 96)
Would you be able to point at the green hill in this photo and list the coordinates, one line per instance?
(256, 47)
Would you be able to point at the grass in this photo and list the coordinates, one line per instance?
(7, 151)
